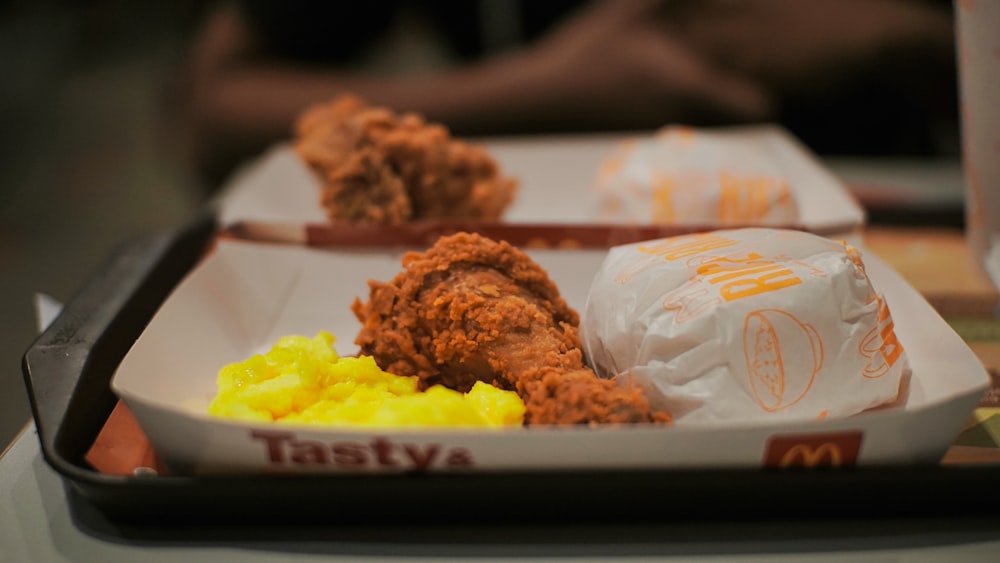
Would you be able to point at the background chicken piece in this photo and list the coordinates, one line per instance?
(381, 167)
(473, 309)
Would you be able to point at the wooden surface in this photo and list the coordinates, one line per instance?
(938, 264)
(933, 260)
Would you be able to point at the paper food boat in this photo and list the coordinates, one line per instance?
(277, 195)
(244, 295)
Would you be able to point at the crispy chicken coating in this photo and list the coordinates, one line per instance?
(381, 167)
(473, 309)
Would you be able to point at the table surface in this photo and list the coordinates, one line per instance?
(37, 524)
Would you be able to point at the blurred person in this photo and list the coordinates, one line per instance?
(861, 76)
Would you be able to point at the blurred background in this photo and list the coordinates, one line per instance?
(85, 159)
(92, 152)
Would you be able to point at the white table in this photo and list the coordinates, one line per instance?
(37, 524)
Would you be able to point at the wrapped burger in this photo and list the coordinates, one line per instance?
(687, 176)
(744, 325)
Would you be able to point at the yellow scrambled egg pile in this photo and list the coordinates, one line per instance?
(303, 380)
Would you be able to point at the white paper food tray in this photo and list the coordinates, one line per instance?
(245, 295)
(557, 175)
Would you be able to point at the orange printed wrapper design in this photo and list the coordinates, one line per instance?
(683, 176)
(744, 324)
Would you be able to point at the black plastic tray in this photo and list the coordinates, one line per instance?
(67, 371)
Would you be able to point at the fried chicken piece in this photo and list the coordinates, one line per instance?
(473, 309)
(380, 167)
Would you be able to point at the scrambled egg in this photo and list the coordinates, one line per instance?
(304, 381)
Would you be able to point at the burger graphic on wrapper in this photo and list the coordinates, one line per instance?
(783, 356)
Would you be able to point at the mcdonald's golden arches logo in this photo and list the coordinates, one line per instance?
(831, 449)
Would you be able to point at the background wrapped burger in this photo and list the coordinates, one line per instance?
(688, 176)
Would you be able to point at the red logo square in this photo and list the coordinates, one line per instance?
(831, 449)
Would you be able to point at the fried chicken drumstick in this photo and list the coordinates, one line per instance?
(471, 308)
(381, 167)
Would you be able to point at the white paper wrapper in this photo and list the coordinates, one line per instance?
(687, 176)
(744, 325)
